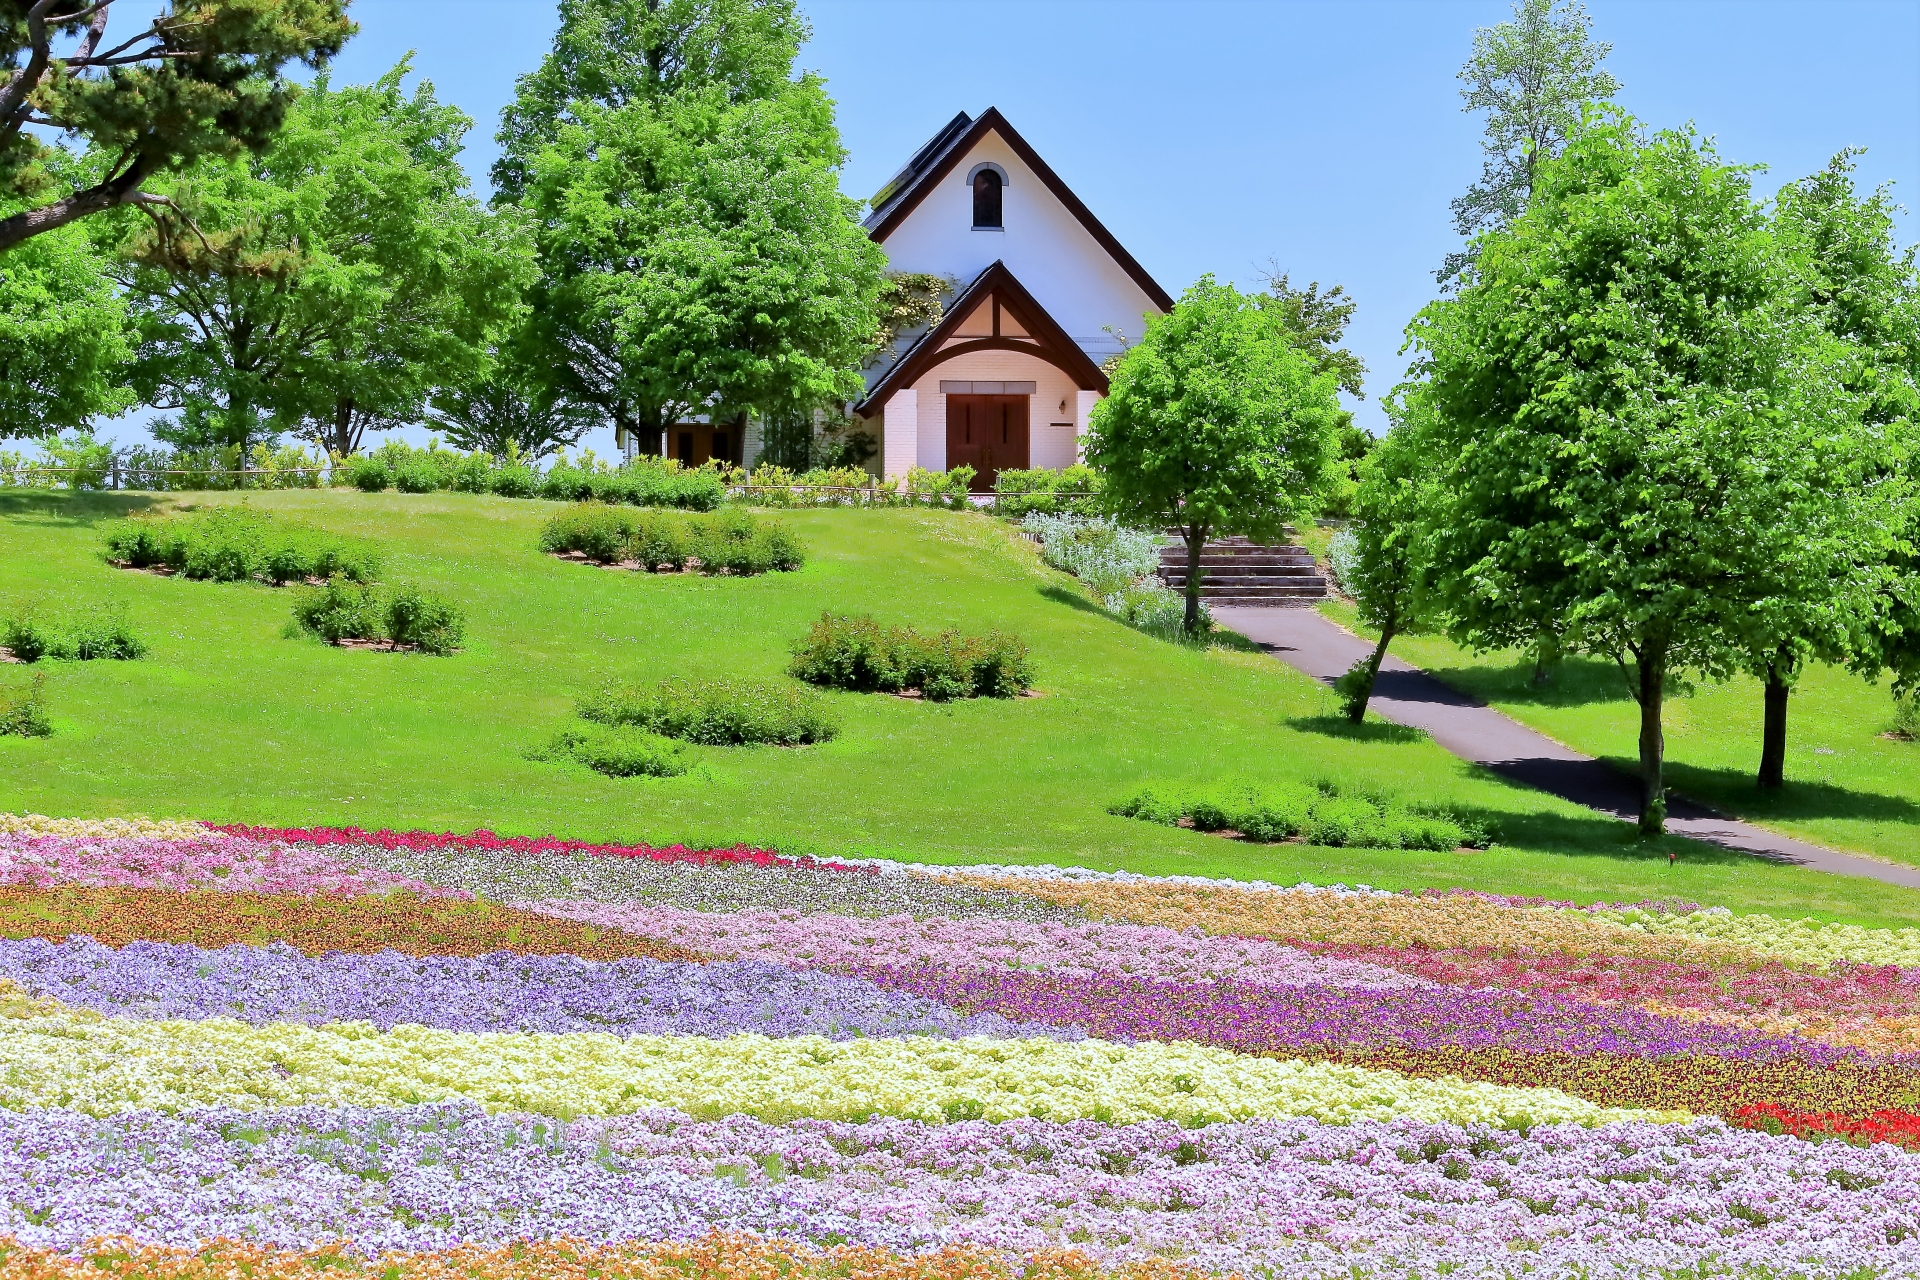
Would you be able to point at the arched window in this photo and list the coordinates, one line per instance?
(986, 199)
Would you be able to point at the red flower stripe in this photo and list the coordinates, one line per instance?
(486, 841)
(1899, 1127)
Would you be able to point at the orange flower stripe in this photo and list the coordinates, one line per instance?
(364, 923)
(717, 1257)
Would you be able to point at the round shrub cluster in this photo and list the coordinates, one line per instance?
(866, 656)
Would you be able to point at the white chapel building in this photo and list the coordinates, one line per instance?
(1009, 375)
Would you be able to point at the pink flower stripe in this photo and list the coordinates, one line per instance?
(217, 862)
(1093, 950)
(486, 841)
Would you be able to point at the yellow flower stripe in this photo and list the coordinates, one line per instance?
(33, 824)
(1804, 941)
(118, 1064)
(1871, 1034)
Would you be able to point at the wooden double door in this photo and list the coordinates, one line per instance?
(989, 434)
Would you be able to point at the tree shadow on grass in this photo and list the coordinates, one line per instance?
(58, 507)
(1573, 682)
(1734, 790)
(1596, 836)
(1072, 599)
(1334, 726)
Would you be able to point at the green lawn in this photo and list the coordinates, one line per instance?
(232, 720)
(1848, 785)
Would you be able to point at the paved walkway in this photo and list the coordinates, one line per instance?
(1305, 640)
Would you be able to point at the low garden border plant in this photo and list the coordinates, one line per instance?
(1120, 568)
(1071, 490)
(238, 544)
(858, 653)
(641, 482)
(1320, 816)
(720, 713)
(82, 636)
(23, 709)
(618, 751)
(405, 616)
(730, 541)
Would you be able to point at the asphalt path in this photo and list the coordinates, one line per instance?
(1404, 694)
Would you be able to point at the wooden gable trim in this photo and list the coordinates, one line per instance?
(906, 202)
(998, 287)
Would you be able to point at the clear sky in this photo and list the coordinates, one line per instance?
(1325, 137)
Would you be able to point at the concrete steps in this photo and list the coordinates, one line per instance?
(1234, 571)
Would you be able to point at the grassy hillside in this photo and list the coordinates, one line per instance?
(1849, 785)
(232, 720)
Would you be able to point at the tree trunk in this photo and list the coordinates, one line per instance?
(1196, 538)
(1653, 744)
(1773, 733)
(1363, 692)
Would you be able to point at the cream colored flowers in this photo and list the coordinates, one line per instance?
(114, 1064)
(33, 824)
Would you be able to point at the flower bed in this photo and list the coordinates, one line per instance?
(406, 1053)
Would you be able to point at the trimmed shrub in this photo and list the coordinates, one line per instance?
(419, 474)
(1320, 817)
(720, 713)
(234, 544)
(515, 480)
(730, 541)
(341, 610)
(471, 473)
(369, 474)
(97, 635)
(862, 655)
(23, 709)
(565, 482)
(428, 622)
(617, 752)
(1073, 490)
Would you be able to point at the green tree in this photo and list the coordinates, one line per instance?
(1532, 76)
(1856, 288)
(62, 337)
(326, 285)
(697, 255)
(1215, 423)
(616, 53)
(511, 409)
(1387, 572)
(1619, 455)
(203, 78)
(1318, 322)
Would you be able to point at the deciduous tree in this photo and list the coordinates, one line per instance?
(1216, 423)
(1617, 451)
(326, 285)
(1532, 76)
(201, 79)
(62, 337)
(1387, 575)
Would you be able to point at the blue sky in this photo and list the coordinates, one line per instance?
(1214, 137)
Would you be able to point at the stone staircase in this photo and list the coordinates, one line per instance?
(1234, 571)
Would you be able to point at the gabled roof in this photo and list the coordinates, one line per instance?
(934, 161)
(1044, 338)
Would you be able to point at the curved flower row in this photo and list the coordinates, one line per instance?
(500, 991)
(1805, 941)
(35, 824)
(486, 841)
(104, 1066)
(1084, 948)
(711, 1258)
(314, 924)
(1286, 1197)
(209, 862)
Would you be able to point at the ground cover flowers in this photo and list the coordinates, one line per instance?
(499, 991)
(101, 1066)
(316, 924)
(467, 1055)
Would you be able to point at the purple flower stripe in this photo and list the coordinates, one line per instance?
(1288, 1198)
(1255, 1019)
(1093, 949)
(499, 992)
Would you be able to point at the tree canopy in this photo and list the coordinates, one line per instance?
(1628, 418)
(326, 285)
(1532, 76)
(1216, 423)
(202, 79)
(62, 337)
(696, 253)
